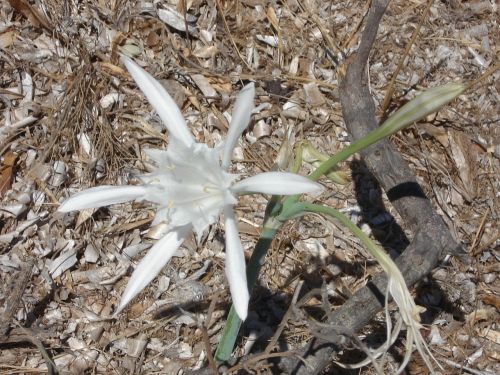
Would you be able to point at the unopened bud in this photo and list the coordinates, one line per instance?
(424, 104)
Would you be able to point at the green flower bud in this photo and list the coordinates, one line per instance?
(424, 104)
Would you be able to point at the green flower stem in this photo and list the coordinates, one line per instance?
(424, 104)
(343, 154)
(374, 136)
(233, 323)
(259, 254)
(378, 253)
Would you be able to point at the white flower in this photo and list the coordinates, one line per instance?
(192, 187)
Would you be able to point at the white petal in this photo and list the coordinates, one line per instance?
(239, 121)
(235, 265)
(161, 215)
(158, 157)
(161, 102)
(277, 183)
(102, 196)
(151, 265)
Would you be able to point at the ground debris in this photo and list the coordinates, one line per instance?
(71, 118)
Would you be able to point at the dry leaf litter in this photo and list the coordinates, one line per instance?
(72, 118)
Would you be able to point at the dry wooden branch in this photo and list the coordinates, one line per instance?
(13, 299)
(432, 239)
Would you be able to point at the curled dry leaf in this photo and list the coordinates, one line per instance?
(176, 20)
(132, 346)
(14, 209)
(261, 129)
(205, 87)
(6, 167)
(462, 151)
(438, 133)
(109, 99)
(7, 39)
(205, 52)
(291, 109)
(36, 18)
(313, 96)
(270, 40)
(492, 300)
(63, 262)
(490, 334)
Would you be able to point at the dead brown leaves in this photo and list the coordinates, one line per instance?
(6, 171)
(93, 120)
(36, 18)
